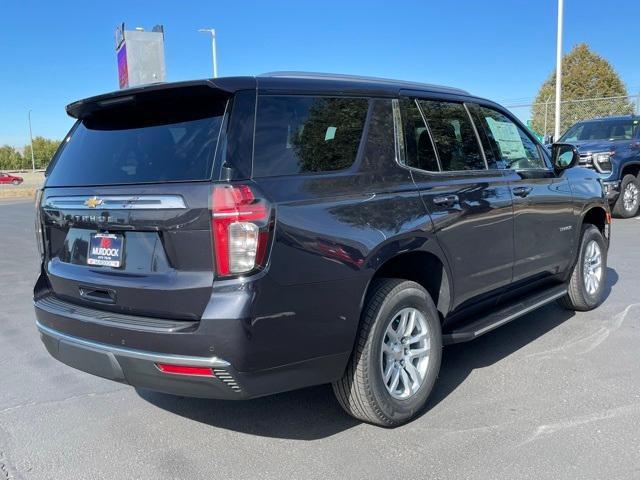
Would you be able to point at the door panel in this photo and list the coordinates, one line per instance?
(544, 223)
(542, 202)
(470, 206)
(475, 231)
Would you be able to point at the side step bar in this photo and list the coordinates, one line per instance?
(505, 314)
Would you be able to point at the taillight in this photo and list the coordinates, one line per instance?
(240, 228)
(38, 225)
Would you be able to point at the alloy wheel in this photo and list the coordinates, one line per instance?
(592, 267)
(405, 353)
(630, 197)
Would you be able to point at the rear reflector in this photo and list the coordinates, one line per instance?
(184, 370)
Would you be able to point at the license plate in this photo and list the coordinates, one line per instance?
(105, 249)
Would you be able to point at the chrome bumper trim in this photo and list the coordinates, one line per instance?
(132, 353)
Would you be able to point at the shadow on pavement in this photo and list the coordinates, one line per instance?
(459, 360)
(308, 414)
(313, 413)
(612, 279)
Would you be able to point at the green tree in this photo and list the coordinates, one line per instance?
(585, 75)
(10, 158)
(43, 148)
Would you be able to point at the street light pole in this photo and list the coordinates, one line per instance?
(33, 159)
(212, 31)
(556, 134)
(546, 112)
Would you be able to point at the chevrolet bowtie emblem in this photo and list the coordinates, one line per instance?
(93, 202)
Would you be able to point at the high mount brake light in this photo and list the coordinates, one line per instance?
(240, 228)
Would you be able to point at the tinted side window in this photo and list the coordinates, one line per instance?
(511, 146)
(307, 134)
(453, 133)
(419, 151)
(237, 148)
(379, 150)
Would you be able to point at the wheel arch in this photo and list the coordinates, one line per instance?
(425, 265)
(597, 216)
(630, 168)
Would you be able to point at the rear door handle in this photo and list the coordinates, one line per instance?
(522, 191)
(446, 200)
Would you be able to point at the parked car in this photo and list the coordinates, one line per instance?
(239, 237)
(12, 179)
(611, 146)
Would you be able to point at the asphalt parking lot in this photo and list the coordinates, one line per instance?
(552, 395)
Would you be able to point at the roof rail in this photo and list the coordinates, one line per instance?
(358, 78)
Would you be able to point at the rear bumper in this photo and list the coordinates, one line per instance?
(130, 353)
(138, 368)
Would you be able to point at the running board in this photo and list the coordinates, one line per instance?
(505, 314)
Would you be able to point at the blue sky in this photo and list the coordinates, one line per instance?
(54, 52)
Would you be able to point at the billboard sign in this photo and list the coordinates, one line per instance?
(140, 56)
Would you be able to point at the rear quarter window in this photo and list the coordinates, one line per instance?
(298, 134)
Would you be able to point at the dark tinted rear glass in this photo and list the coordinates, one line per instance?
(307, 134)
(172, 140)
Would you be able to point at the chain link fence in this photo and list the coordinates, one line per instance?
(540, 117)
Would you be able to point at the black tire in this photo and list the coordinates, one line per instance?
(15, 182)
(361, 391)
(577, 297)
(619, 209)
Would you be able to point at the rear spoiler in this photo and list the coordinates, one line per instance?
(157, 91)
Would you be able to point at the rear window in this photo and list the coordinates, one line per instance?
(144, 142)
(297, 134)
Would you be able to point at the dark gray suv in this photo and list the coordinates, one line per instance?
(240, 237)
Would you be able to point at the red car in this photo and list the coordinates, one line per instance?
(6, 178)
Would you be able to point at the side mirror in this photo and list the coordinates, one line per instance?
(563, 156)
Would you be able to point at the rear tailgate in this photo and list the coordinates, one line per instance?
(166, 264)
(125, 209)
